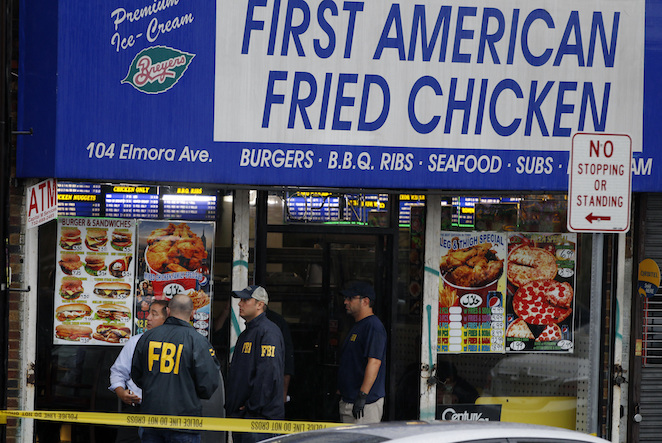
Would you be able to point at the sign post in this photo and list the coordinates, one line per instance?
(600, 183)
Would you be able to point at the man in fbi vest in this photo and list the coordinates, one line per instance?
(175, 366)
(255, 377)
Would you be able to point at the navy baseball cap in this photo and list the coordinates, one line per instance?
(364, 289)
(255, 291)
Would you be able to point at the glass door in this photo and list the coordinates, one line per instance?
(304, 278)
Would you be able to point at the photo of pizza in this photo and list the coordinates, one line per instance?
(519, 329)
(543, 302)
(528, 263)
(550, 333)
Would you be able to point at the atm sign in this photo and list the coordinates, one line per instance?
(42, 203)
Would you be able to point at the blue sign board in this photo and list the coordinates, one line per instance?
(377, 94)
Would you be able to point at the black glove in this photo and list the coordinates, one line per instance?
(359, 404)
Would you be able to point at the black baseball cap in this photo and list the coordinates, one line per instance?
(364, 289)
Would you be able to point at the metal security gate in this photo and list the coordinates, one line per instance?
(646, 413)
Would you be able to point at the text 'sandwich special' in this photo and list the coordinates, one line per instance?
(94, 264)
(107, 289)
(96, 238)
(113, 312)
(70, 237)
(112, 333)
(71, 288)
(72, 311)
(121, 239)
(70, 262)
(72, 332)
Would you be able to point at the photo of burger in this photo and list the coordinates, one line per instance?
(96, 238)
(121, 239)
(112, 333)
(71, 288)
(120, 267)
(70, 237)
(118, 290)
(94, 264)
(113, 312)
(70, 262)
(72, 332)
(72, 311)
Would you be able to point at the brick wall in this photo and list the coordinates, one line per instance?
(16, 242)
(15, 261)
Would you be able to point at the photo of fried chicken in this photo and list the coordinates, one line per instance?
(174, 249)
(471, 267)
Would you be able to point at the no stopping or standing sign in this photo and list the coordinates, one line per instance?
(600, 183)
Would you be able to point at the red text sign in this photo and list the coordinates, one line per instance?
(42, 203)
(600, 183)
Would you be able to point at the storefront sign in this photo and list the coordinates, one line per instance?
(328, 93)
(42, 203)
(600, 183)
(649, 277)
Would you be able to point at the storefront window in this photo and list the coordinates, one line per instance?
(514, 312)
(103, 237)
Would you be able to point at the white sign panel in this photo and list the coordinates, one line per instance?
(42, 203)
(600, 183)
(519, 73)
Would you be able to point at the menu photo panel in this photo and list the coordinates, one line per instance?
(94, 281)
(540, 303)
(472, 287)
(175, 258)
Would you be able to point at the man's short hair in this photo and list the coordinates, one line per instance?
(163, 304)
(181, 304)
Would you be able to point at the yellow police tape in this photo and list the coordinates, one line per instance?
(169, 421)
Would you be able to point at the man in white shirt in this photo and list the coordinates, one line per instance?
(120, 373)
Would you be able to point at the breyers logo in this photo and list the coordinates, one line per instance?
(157, 69)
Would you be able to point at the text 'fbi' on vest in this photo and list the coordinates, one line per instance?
(166, 354)
(266, 350)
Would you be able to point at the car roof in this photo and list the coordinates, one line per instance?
(439, 431)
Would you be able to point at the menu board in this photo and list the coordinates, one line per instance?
(471, 292)
(317, 207)
(132, 201)
(175, 258)
(180, 203)
(464, 211)
(79, 200)
(541, 284)
(94, 281)
(407, 203)
(359, 206)
(355, 208)
(135, 201)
